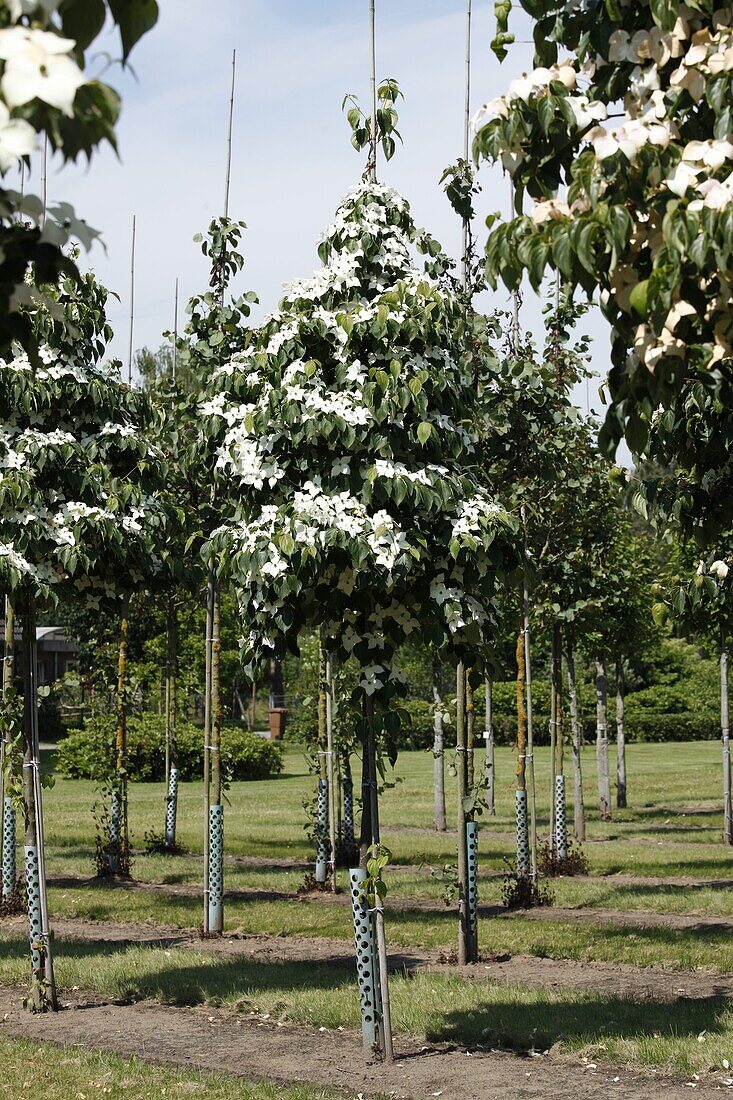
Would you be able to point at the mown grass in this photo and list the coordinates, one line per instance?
(695, 1035)
(41, 1068)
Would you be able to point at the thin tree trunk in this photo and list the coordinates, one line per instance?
(43, 985)
(489, 741)
(438, 755)
(621, 790)
(6, 803)
(461, 788)
(725, 733)
(330, 771)
(522, 829)
(602, 764)
(579, 800)
(371, 756)
(554, 691)
(322, 800)
(532, 799)
(208, 718)
(171, 747)
(120, 848)
(216, 842)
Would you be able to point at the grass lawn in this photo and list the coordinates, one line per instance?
(672, 829)
(64, 1074)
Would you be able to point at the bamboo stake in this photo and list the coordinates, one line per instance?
(461, 786)
(466, 229)
(7, 824)
(489, 740)
(579, 803)
(330, 770)
(621, 786)
(44, 182)
(132, 302)
(604, 779)
(725, 734)
(207, 736)
(44, 984)
(438, 755)
(553, 738)
(371, 754)
(372, 167)
(227, 185)
(532, 797)
(175, 333)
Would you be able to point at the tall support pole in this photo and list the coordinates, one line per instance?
(621, 784)
(171, 746)
(228, 183)
(466, 234)
(579, 800)
(725, 734)
(44, 181)
(119, 849)
(43, 985)
(531, 791)
(381, 942)
(522, 828)
(322, 801)
(216, 815)
(438, 754)
(330, 771)
(131, 335)
(489, 741)
(372, 168)
(210, 586)
(604, 778)
(6, 802)
(175, 333)
(461, 789)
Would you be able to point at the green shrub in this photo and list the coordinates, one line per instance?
(90, 753)
(689, 726)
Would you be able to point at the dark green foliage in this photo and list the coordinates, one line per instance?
(89, 754)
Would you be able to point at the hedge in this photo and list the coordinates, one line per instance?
(90, 753)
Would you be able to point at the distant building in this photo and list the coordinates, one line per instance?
(56, 653)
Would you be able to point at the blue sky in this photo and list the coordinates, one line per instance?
(292, 157)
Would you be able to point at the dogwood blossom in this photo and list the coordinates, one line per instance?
(39, 65)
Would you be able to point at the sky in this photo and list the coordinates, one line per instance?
(292, 157)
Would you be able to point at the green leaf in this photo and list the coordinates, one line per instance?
(639, 297)
(424, 431)
(134, 19)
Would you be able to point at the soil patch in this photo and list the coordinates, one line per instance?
(254, 1049)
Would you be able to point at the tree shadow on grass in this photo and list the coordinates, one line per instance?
(526, 1028)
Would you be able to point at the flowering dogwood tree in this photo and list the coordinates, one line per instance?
(48, 95)
(77, 515)
(621, 139)
(354, 461)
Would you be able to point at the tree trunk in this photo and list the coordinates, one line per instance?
(579, 803)
(621, 795)
(725, 733)
(7, 806)
(602, 764)
(330, 776)
(216, 838)
(489, 740)
(438, 756)
(208, 719)
(119, 859)
(171, 748)
(461, 790)
(530, 733)
(522, 829)
(43, 985)
(553, 740)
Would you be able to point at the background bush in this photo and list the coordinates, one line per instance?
(90, 753)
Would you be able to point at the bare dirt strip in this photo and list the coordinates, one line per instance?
(606, 979)
(254, 1049)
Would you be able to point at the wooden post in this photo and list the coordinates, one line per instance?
(725, 734)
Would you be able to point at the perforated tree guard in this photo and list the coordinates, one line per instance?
(35, 924)
(367, 970)
(171, 808)
(472, 857)
(216, 868)
(115, 815)
(348, 823)
(561, 829)
(9, 869)
(322, 831)
(523, 868)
